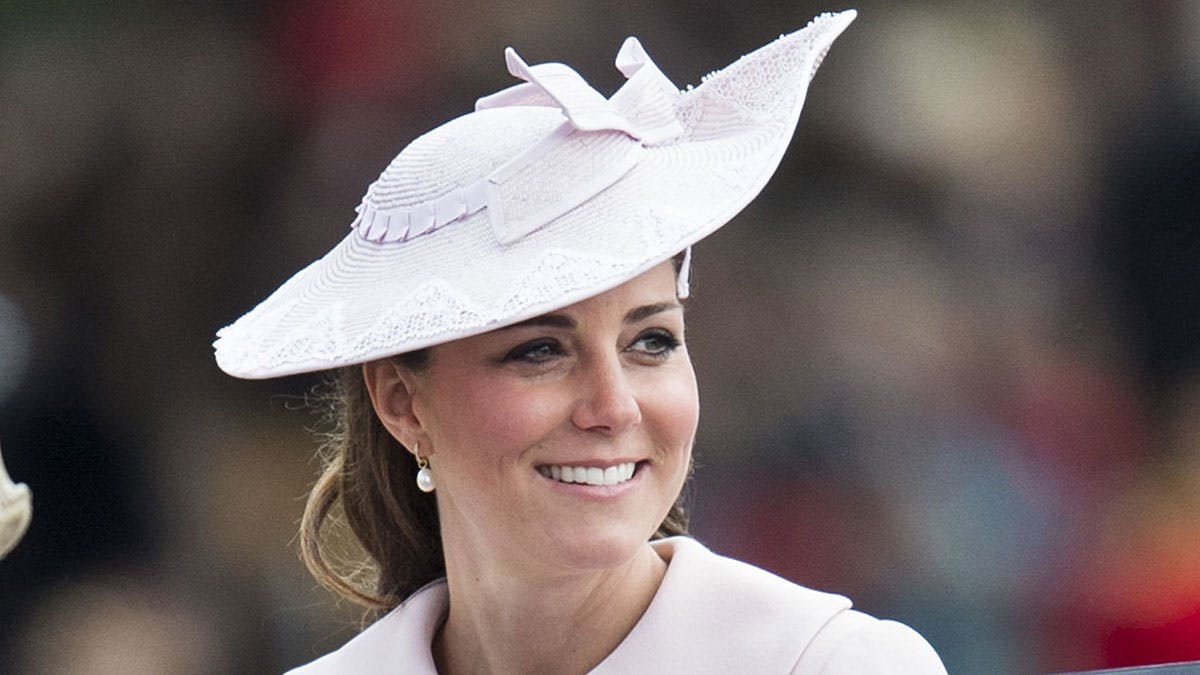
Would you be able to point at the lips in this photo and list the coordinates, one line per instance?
(589, 475)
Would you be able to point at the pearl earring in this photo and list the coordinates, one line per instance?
(424, 475)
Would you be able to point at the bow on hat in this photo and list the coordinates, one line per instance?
(643, 110)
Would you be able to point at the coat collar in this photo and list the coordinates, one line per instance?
(686, 628)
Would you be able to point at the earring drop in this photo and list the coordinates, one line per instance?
(424, 475)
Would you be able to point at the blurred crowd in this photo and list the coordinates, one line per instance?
(949, 362)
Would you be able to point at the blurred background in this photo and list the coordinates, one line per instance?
(949, 361)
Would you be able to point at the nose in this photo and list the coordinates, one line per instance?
(606, 401)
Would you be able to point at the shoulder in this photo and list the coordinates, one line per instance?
(402, 636)
(741, 590)
(714, 614)
(853, 642)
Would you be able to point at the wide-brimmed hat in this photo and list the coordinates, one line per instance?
(548, 194)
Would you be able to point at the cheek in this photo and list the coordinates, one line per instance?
(519, 418)
(673, 405)
(494, 417)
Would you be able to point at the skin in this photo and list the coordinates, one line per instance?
(546, 576)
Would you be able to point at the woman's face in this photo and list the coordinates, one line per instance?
(563, 440)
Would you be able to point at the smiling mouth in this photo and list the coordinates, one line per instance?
(589, 475)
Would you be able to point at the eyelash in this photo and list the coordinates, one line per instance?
(669, 342)
(525, 353)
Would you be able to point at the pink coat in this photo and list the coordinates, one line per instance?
(710, 615)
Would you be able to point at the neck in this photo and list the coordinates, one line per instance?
(506, 622)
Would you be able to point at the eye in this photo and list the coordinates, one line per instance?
(656, 342)
(535, 351)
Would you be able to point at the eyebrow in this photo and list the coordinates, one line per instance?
(563, 321)
(638, 313)
(550, 320)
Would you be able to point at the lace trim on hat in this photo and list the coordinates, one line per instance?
(431, 313)
(769, 81)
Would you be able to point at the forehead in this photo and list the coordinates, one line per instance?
(649, 293)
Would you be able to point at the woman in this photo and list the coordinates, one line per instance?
(516, 403)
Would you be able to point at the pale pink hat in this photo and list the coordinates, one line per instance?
(547, 194)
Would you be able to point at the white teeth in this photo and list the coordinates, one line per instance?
(591, 475)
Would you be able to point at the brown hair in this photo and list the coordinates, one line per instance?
(368, 480)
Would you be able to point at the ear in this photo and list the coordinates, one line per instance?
(390, 386)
